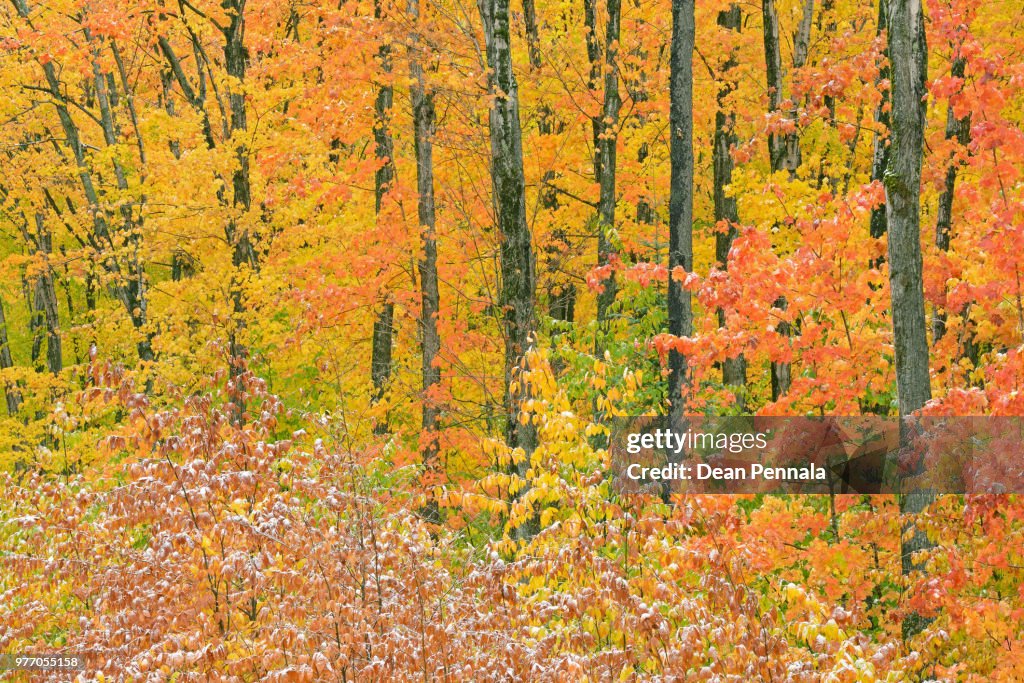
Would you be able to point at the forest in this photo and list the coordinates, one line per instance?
(317, 318)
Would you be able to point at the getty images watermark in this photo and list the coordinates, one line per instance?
(673, 443)
(860, 454)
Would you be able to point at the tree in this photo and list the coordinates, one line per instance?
(605, 126)
(243, 257)
(734, 368)
(909, 55)
(881, 145)
(518, 279)
(680, 255)
(239, 237)
(381, 350)
(112, 226)
(783, 148)
(11, 394)
(46, 301)
(423, 123)
(957, 129)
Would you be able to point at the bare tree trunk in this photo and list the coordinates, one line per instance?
(423, 122)
(959, 130)
(561, 293)
(680, 255)
(637, 90)
(605, 127)
(383, 327)
(518, 280)
(69, 301)
(773, 66)
(11, 392)
(909, 55)
(532, 32)
(778, 148)
(46, 301)
(828, 10)
(35, 319)
(734, 369)
(783, 148)
(168, 101)
(880, 155)
(243, 255)
(802, 38)
(381, 354)
(183, 264)
(90, 290)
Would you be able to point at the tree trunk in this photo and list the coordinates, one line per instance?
(828, 15)
(802, 38)
(381, 357)
(779, 154)
(532, 33)
(46, 301)
(69, 301)
(777, 142)
(182, 263)
(680, 311)
(423, 122)
(638, 92)
(383, 327)
(783, 148)
(518, 280)
(11, 392)
(880, 155)
(908, 52)
(243, 255)
(959, 130)
(561, 293)
(788, 155)
(734, 369)
(605, 128)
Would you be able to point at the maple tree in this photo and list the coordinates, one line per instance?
(315, 318)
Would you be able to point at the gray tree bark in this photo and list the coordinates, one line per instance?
(183, 264)
(734, 369)
(783, 148)
(605, 130)
(243, 255)
(880, 154)
(909, 56)
(518, 280)
(45, 318)
(532, 32)
(959, 130)
(773, 71)
(423, 122)
(381, 351)
(11, 393)
(781, 155)
(680, 310)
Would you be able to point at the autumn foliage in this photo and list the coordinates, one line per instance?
(273, 415)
